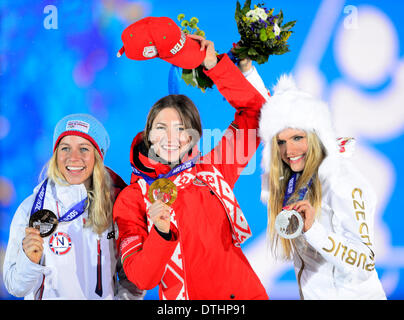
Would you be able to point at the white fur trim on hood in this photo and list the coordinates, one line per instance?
(290, 107)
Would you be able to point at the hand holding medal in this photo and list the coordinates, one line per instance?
(162, 193)
(289, 223)
(32, 244)
(164, 190)
(294, 219)
(306, 211)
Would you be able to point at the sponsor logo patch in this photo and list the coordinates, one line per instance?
(78, 125)
(150, 52)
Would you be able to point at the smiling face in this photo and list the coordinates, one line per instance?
(293, 148)
(168, 135)
(75, 159)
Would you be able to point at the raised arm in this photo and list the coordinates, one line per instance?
(240, 140)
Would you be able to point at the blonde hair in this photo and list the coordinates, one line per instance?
(100, 194)
(279, 175)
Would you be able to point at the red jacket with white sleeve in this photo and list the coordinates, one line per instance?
(202, 258)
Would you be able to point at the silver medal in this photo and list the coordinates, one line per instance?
(289, 224)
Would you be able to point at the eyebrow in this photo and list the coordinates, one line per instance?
(294, 136)
(81, 144)
(164, 124)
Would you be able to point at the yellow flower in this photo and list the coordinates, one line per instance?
(200, 33)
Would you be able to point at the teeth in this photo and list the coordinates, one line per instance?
(74, 168)
(296, 158)
(170, 148)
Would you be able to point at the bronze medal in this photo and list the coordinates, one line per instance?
(45, 221)
(163, 189)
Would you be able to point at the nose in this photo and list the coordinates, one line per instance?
(172, 135)
(169, 135)
(75, 154)
(290, 148)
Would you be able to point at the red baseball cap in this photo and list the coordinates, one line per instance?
(160, 37)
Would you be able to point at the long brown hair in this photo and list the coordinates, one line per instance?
(186, 109)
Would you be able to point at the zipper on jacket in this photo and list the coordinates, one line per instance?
(39, 293)
(98, 287)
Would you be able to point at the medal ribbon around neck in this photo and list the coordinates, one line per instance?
(292, 186)
(183, 166)
(74, 212)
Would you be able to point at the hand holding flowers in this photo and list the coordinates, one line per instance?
(195, 77)
(261, 34)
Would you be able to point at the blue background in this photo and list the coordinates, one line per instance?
(46, 74)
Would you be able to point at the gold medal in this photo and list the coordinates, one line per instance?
(163, 189)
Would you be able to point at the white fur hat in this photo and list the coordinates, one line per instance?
(290, 107)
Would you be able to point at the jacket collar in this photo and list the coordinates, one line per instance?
(66, 194)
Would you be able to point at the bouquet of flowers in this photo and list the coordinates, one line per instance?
(195, 77)
(261, 33)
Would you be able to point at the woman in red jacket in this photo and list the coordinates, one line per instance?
(187, 238)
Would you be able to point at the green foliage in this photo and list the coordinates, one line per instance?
(261, 33)
(195, 77)
(190, 26)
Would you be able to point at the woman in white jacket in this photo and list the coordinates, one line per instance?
(61, 243)
(305, 171)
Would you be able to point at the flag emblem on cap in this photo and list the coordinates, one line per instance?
(150, 52)
(78, 125)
